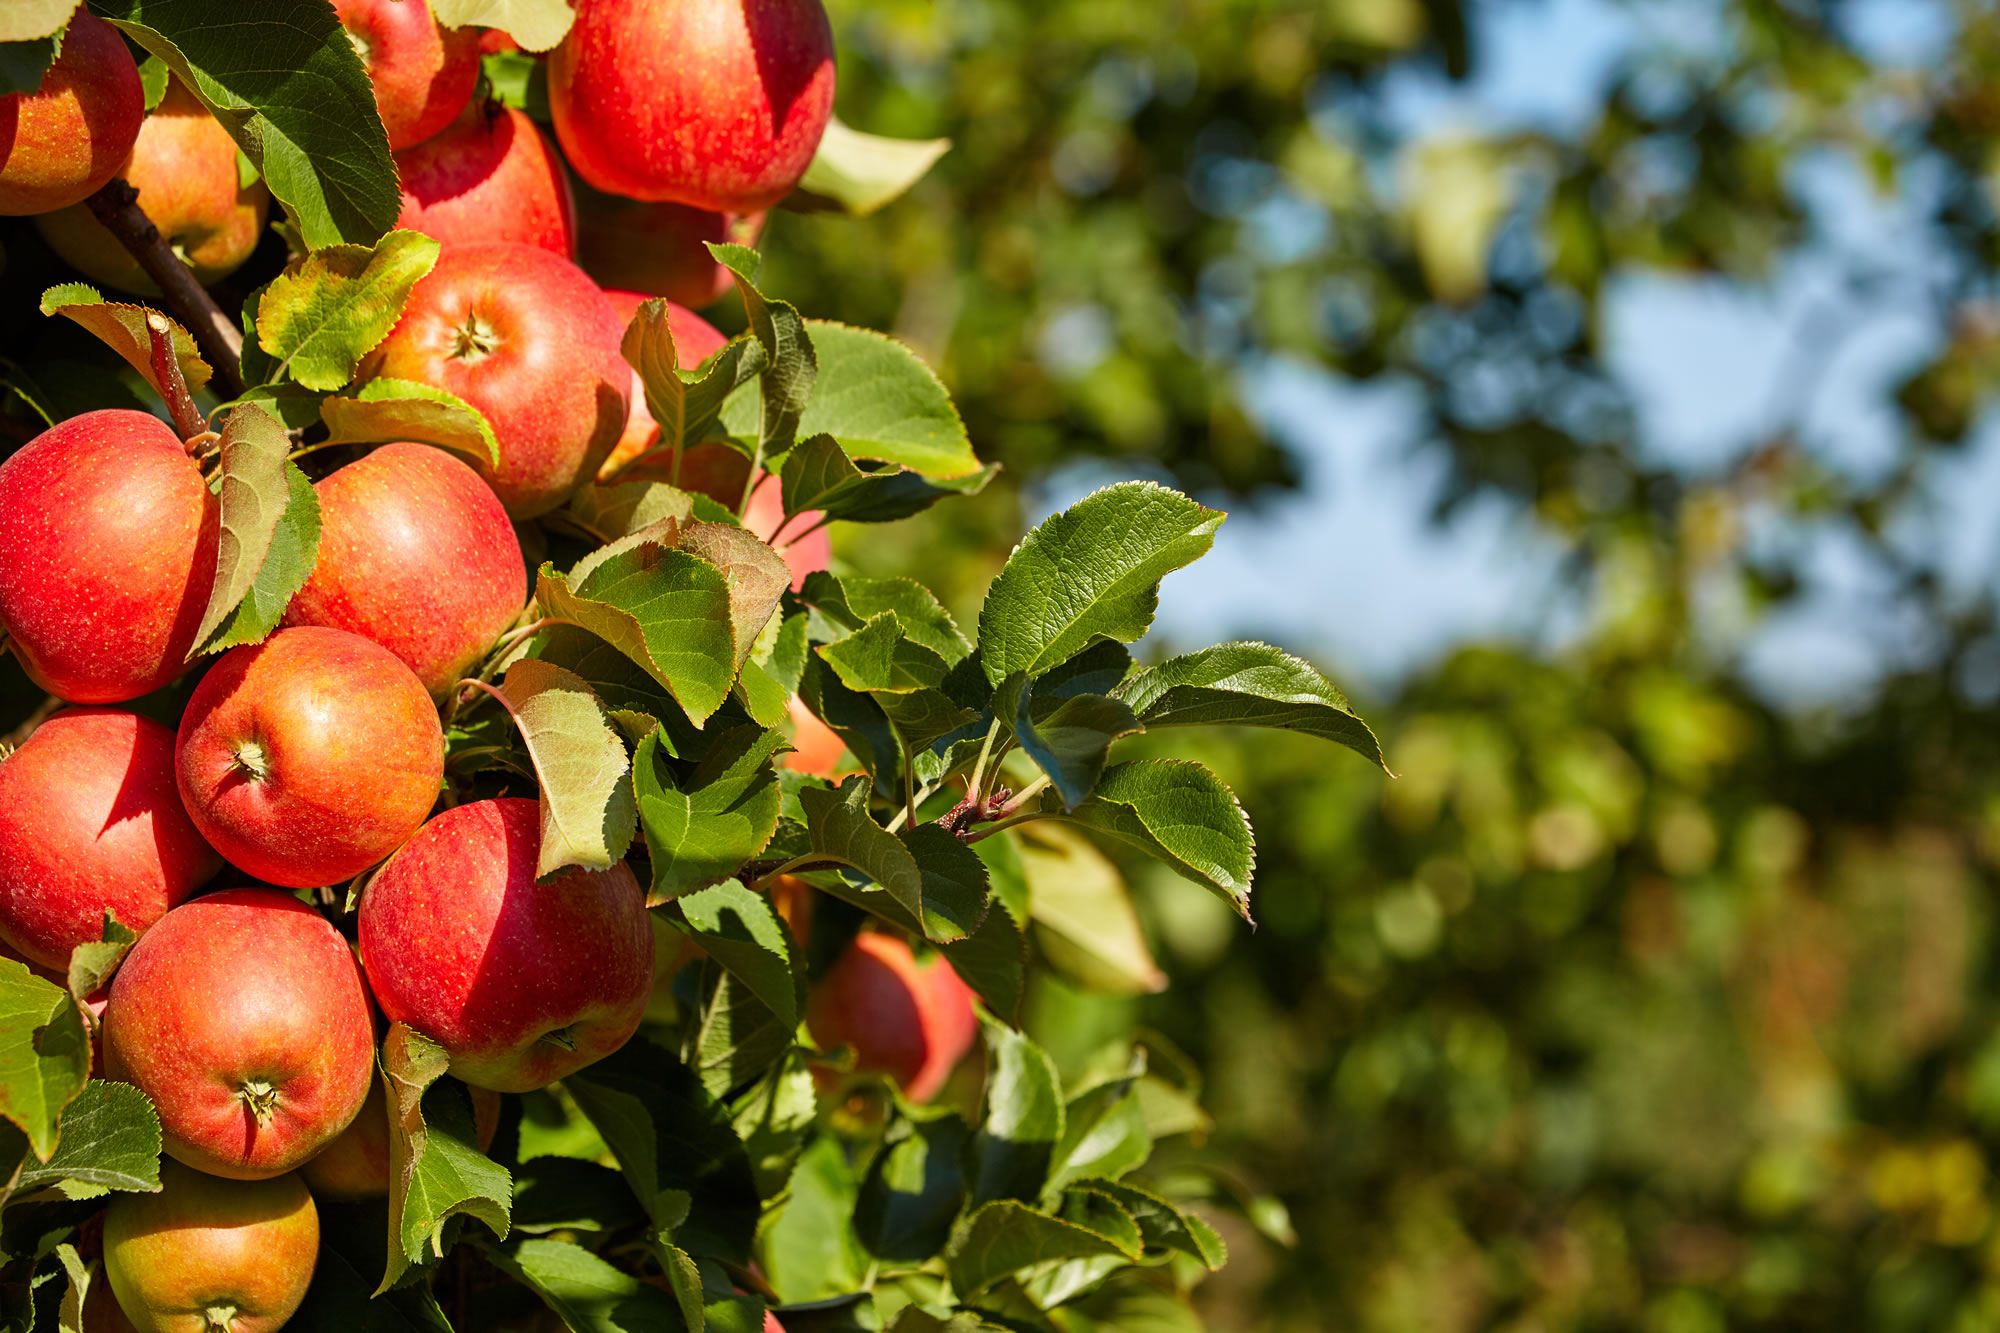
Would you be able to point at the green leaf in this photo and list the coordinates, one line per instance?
(383, 411)
(1015, 1143)
(1247, 685)
(295, 406)
(110, 1140)
(852, 602)
(288, 563)
(1004, 1237)
(880, 401)
(936, 883)
(588, 812)
(1163, 1226)
(1104, 1136)
(567, 1193)
(291, 90)
(739, 930)
(773, 1119)
(1070, 739)
(701, 829)
(122, 327)
(791, 365)
(855, 718)
(585, 1292)
(92, 962)
(665, 608)
(1181, 814)
(626, 507)
(901, 676)
(320, 318)
(1084, 919)
(44, 1054)
(254, 493)
(1091, 572)
(648, 347)
(537, 25)
(728, 370)
(435, 1168)
(1098, 1212)
(818, 475)
(734, 1037)
(913, 1188)
(993, 959)
(862, 172)
(810, 1250)
(676, 1146)
(757, 577)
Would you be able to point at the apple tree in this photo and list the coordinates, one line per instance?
(469, 857)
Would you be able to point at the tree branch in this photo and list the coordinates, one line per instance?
(220, 341)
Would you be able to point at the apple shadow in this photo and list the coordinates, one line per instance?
(775, 38)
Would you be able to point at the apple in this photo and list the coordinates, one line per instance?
(70, 136)
(717, 104)
(909, 1020)
(107, 554)
(816, 748)
(659, 249)
(792, 899)
(309, 757)
(489, 176)
(525, 337)
(695, 340)
(356, 1165)
(184, 168)
(423, 74)
(415, 554)
(101, 1313)
(521, 982)
(243, 1016)
(90, 822)
(211, 1256)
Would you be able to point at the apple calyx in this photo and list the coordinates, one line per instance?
(564, 1037)
(475, 340)
(261, 1096)
(218, 1319)
(249, 758)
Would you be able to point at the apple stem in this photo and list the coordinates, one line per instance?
(173, 388)
(220, 341)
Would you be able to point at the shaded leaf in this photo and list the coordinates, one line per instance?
(738, 929)
(585, 1292)
(791, 363)
(1004, 1237)
(819, 475)
(1016, 1139)
(1084, 918)
(92, 962)
(44, 1054)
(122, 327)
(435, 1168)
(110, 1139)
(701, 829)
(253, 493)
(288, 563)
(383, 411)
(936, 882)
(1069, 739)
(1181, 814)
(1104, 1136)
(913, 1188)
(588, 811)
(1247, 685)
(648, 347)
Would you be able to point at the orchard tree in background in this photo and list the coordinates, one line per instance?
(457, 812)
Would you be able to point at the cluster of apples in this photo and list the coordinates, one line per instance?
(316, 756)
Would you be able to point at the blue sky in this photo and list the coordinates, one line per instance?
(1351, 569)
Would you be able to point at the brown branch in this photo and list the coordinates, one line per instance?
(173, 385)
(220, 341)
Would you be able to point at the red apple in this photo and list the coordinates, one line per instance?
(803, 553)
(309, 757)
(356, 1165)
(490, 176)
(717, 104)
(243, 1016)
(90, 822)
(525, 337)
(184, 168)
(416, 554)
(659, 249)
(521, 982)
(492, 41)
(695, 340)
(107, 553)
(423, 74)
(816, 748)
(211, 1256)
(101, 1313)
(912, 1021)
(68, 137)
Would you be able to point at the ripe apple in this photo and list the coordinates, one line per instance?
(912, 1021)
(101, 1313)
(695, 340)
(423, 74)
(107, 553)
(309, 757)
(243, 1016)
(415, 554)
(717, 104)
(67, 138)
(211, 1256)
(525, 337)
(816, 748)
(659, 249)
(489, 176)
(90, 822)
(184, 168)
(356, 1165)
(803, 554)
(521, 982)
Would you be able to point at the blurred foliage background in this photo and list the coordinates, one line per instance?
(1649, 995)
